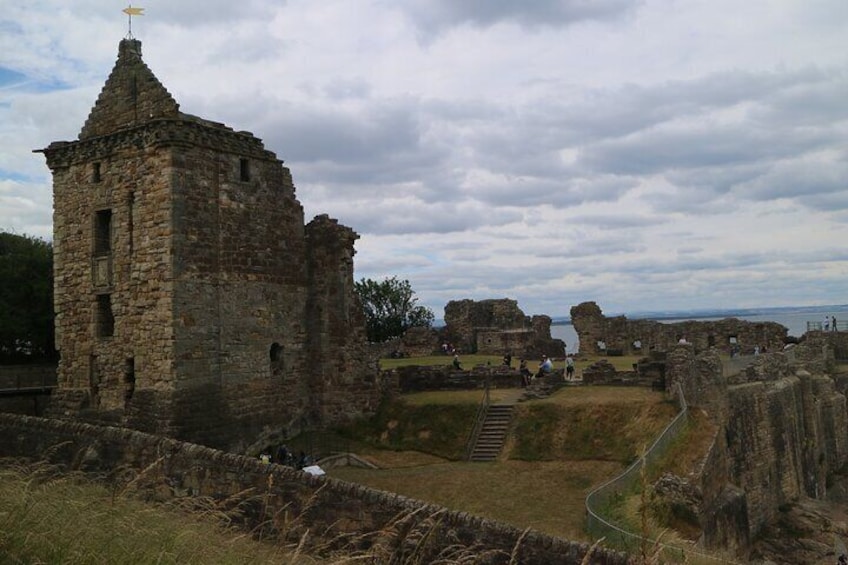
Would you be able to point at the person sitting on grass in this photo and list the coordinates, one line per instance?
(456, 364)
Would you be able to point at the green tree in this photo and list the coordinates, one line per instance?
(390, 308)
(26, 299)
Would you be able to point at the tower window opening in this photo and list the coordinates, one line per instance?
(95, 172)
(103, 232)
(105, 319)
(129, 379)
(244, 170)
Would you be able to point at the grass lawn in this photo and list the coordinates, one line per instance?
(548, 496)
(561, 448)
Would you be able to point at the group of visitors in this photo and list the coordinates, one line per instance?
(829, 324)
(546, 367)
(284, 456)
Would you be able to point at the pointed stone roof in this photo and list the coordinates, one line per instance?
(131, 96)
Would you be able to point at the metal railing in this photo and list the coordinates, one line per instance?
(478, 422)
(820, 326)
(603, 498)
(24, 382)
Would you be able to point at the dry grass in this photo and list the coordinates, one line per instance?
(46, 517)
(604, 395)
(548, 496)
(50, 517)
(386, 459)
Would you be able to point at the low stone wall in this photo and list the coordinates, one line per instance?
(417, 379)
(330, 510)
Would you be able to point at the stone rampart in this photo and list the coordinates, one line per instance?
(781, 432)
(600, 335)
(330, 510)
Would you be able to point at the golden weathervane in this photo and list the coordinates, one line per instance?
(130, 12)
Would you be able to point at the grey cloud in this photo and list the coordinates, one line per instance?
(410, 217)
(435, 16)
(617, 221)
(189, 14)
(805, 180)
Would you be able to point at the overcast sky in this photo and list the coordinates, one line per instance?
(647, 155)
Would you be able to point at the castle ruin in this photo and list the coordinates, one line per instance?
(191, 300)
(602, 335)
(498, 326)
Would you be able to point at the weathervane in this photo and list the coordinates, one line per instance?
(130, 12)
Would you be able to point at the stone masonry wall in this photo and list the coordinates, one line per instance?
(191, 299)
(781, 432)
(404, 380)
(495, 327)
(343, 377)
(618, 334)
(329, 509)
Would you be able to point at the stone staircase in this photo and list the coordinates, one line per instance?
(490, 441)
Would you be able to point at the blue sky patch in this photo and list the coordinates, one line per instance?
(9, 77)
(10, 175)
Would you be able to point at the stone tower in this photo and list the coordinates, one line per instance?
(191, 300)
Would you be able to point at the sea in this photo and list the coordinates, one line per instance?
(796, 319)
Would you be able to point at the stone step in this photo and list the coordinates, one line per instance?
(496, 425)
(492, 433)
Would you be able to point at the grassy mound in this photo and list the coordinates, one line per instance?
(436, 429)
(558, 450)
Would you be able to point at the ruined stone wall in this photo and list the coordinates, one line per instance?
(343, 377)
(417, 342)
(494, 341)
(781, 432)
(404, 380)
(326, 509)
(463, 317)
(622, 336)
(494, 327)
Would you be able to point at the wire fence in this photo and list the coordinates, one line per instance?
(603, 498)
